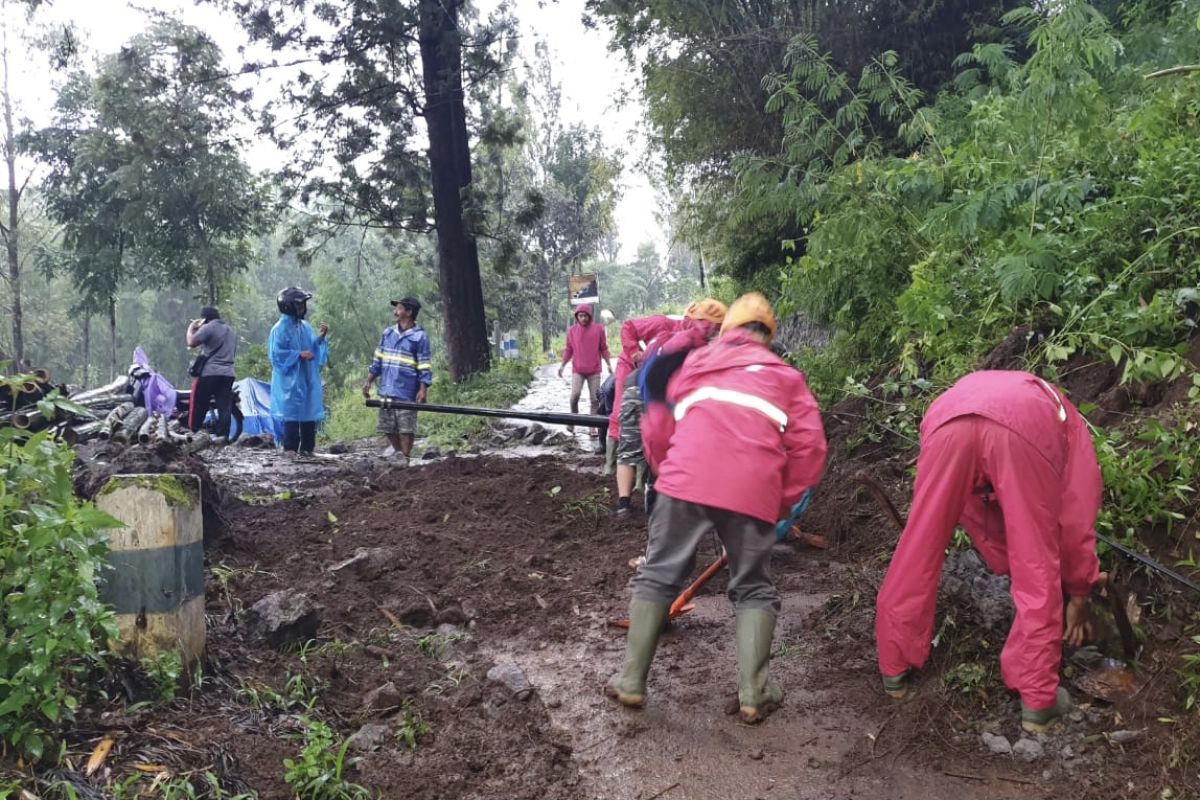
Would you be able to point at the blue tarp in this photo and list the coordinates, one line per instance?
(256, 408)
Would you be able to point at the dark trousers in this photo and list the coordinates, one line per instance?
(676, 528)
(206, 390)
(300, 436)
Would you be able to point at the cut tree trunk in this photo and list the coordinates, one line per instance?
(87, 346)
(11, 230)
(464, 322)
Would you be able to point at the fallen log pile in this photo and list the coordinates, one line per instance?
(106, 412)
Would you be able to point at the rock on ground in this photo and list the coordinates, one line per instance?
(283, 617)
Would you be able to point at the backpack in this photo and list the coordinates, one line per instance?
(606, 395)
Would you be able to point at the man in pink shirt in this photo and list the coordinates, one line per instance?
(1006, 455)
(586, 345)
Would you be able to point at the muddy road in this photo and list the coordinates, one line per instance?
(466, 609)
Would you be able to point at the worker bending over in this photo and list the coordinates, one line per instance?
(1008, 456)
(735, 439)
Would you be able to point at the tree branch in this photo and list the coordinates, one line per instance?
(1180, 70)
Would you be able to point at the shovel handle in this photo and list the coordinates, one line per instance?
(687, 594)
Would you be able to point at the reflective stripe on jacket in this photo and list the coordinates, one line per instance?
(740, 431)
(402, 362)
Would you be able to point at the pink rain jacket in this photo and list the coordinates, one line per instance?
(636, 334)
(1006, 455)
(586, 344)
(740, 431)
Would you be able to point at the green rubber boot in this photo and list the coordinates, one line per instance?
(646, 620)
(897, 686)
(1037, 721)
(757, 696)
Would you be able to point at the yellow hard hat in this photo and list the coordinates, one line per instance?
(708, 309)
(751, 307)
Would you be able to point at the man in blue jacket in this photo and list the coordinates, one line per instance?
(403, 367)
(297, 354)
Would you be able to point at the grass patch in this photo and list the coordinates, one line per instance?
(505, 384)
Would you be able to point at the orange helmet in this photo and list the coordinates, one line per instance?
(708, 309)
(751, 307)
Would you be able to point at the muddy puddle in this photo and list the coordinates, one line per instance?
(684, 745)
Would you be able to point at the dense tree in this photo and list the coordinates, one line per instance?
(567, 210)
(10, 227)
(389, 68)
(191, 201)
(144, 178)
(702, 66)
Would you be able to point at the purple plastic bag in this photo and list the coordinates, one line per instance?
(158, 395)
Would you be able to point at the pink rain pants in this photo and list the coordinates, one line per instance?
(1015, 527)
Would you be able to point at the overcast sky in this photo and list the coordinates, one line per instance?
(593, 80)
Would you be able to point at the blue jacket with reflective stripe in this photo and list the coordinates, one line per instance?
(402, 362)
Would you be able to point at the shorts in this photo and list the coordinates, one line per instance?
(401, 421)
(629, 439)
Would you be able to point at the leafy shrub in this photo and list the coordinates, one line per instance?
(318, 772)
(53, 627)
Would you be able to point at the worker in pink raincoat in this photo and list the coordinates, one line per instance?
(1008, 456)
(635, 335)
(701, 322)
(586, 347)
(735, 438)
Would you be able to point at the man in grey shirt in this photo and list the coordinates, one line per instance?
(218, 345)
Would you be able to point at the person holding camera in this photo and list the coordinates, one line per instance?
(212, 370)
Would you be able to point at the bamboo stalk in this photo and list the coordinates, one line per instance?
(198, 443)
(75, 434)
(131, 425)
(114, 419)
(119, 386)
(143, 435)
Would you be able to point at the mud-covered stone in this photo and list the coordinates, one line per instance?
(967, 582)
(1028, 750)
(511, 677)
(996, 744)
(282, 618)
(369, 563)
(371, 736)
(382, 698)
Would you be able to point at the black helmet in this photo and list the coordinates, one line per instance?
(290, 300)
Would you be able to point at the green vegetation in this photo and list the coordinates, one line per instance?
(411, 727)
(435, 645)
(165, 673)
(318, 772)
(300, 694)
(204, 786)
(53, 628)
(1190, 677)
(504, 385)
(168, 486)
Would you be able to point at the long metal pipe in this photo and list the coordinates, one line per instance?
(549, 417)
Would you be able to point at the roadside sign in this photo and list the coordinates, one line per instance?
(583, 289)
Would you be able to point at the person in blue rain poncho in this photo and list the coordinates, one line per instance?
(297, 353)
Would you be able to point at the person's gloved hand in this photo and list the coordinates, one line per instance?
(784, 525)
